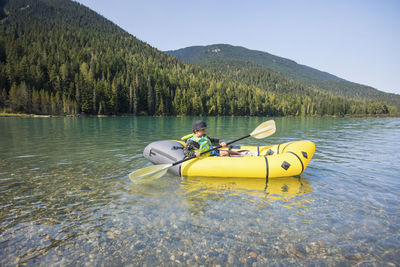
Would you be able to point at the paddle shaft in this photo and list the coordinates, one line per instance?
(212, 149)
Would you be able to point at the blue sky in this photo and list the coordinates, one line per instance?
(358, 40)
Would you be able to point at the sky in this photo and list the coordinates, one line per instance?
(357, 40)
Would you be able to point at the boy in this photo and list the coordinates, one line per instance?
(200, 142)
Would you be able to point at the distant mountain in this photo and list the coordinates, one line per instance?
(60, 57)
(202, 54)
(209, 55)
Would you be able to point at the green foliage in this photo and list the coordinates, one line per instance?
(222, 53)
(59, 57)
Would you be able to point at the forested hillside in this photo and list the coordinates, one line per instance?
(59, 57)
(201, 55)
(206, 55)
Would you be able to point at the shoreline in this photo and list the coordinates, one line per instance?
(24, 115)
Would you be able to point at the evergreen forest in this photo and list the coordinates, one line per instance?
(223, 56)
(59, 57)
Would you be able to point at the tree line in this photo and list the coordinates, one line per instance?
(59, 57)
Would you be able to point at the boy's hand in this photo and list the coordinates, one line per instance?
(197, 154)
(223, 144)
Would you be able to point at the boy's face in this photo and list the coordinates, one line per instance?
(201, 132)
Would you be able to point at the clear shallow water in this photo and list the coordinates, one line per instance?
(65, 196)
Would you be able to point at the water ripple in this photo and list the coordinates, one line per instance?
(68, 200)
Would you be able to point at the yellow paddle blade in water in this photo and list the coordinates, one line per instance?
(149, 173)
(264, 129)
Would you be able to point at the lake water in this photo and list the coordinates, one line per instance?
(66, 199)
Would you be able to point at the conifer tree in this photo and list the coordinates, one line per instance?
(150, 97)
(35, 102)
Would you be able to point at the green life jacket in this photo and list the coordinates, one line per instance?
(204, 142)
(184, 138)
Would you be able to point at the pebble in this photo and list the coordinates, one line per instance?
(253, 255)
(110, 235)
(93, 226)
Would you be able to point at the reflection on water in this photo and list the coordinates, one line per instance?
(284, 189)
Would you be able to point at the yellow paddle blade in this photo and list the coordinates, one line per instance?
(149, 173)
(265, 129)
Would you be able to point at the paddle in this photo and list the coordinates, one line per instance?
(149, 173)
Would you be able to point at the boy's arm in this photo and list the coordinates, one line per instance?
(191, 145)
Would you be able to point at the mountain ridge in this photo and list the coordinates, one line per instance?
(202, 55)
(242, 53)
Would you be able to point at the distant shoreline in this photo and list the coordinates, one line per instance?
(24, 115)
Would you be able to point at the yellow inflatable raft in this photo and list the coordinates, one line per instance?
(282, 160)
